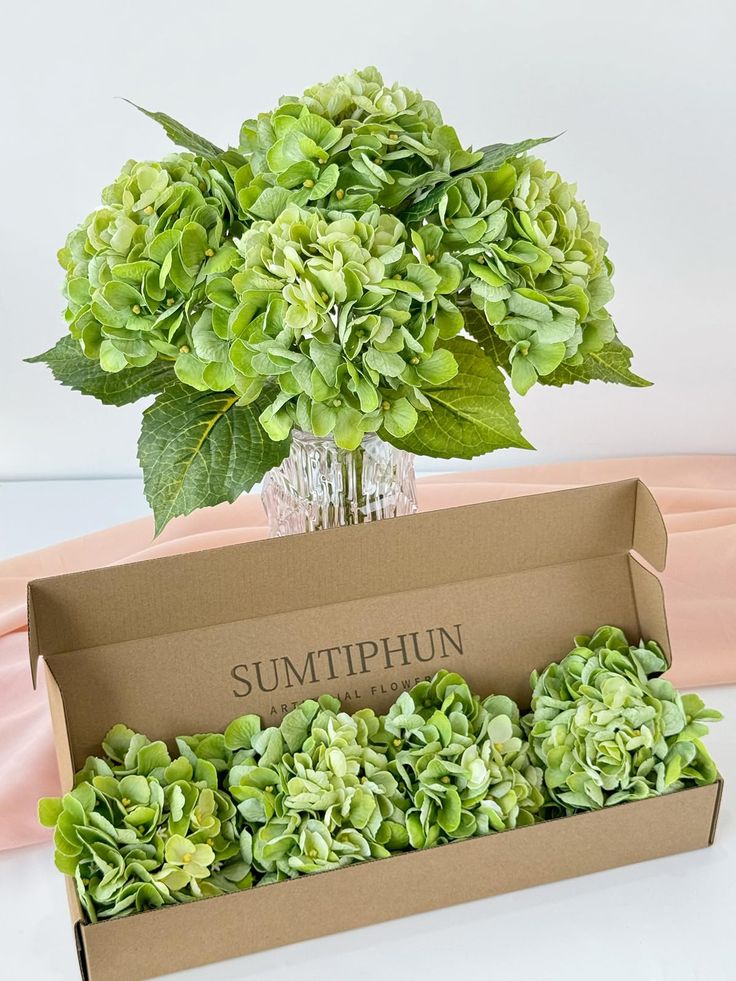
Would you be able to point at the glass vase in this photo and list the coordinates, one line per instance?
(319, 485)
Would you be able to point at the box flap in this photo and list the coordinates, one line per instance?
(649, 537)
(173, 594)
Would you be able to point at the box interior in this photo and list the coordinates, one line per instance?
(185, 644)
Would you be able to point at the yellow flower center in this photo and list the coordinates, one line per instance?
(397, 276)
(269, 789)
(184, 349)
(312, 853)
(430, 257)
(393, 137)
(445, 779)
(136, 308)
(186, 859)
(125, 802)
(397, 742)
(414, 360)
(323, 160)
(209, 253)
(210, 842)
(148, 210)
(308, 183)
(339, 194)
(337, 403)
(377, 160)
(325, 297)
(385, 405)
(169, 301)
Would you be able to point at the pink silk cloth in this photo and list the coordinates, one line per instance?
(697, 495)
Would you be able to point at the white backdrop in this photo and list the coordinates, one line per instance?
(644, 90)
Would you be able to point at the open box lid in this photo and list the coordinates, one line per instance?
(188, 642)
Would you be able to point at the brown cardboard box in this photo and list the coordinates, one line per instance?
(185, 644)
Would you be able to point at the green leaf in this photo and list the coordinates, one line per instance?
(479, 328)
(493, 157)
(471, 414)
(199, 449)
(611, 364)
(180, 134)
(70, 366)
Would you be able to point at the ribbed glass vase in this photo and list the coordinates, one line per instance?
(319, 485)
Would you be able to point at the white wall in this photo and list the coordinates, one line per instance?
(644, 90)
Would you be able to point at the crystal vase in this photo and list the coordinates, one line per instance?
(319, 485)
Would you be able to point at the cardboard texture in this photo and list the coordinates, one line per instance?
(185, 644)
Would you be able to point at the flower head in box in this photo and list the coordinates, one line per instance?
(606, 729)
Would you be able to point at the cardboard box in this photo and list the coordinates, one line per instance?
(187, 643)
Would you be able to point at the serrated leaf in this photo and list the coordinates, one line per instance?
(70, 366)
(496, 154)
(479, 328)
(611, 364)
(179, 133)
(471, 414)
(200, 449)
(493, 157)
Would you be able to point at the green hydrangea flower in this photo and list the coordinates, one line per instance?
(606, 729)
(135, 267)
(329, 779)
(462, 763)
(535, 264)
(338, 320)
(347, 144)
(140, 830)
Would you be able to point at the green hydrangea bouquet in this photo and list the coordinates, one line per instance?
(349, 269)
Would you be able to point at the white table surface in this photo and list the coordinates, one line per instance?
(666, 920)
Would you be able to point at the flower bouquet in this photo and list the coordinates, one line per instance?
(348, 286)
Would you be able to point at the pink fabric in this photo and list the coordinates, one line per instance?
(697, 495)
